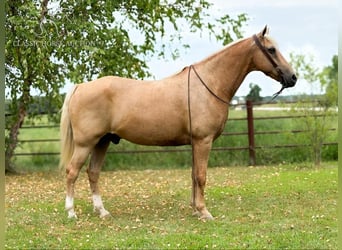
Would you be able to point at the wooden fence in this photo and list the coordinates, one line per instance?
(251, 148)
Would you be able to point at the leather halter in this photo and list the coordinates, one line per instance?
(266, 53)
(274, 64)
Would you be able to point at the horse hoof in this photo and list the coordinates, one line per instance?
(196, 214)
(206, 217)
(104, 214)
(72, 215)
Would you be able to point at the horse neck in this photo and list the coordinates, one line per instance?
(225, 70)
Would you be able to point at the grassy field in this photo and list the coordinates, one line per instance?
(274, 207)
(267, 155)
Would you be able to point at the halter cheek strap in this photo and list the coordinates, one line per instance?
(263, 49)
(274, 64)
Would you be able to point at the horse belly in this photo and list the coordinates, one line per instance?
(157, 131)
(157, 141)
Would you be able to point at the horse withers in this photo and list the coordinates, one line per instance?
(190, 107)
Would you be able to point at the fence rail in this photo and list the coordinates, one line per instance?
(250, 133)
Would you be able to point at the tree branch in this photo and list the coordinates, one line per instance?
(44, 10)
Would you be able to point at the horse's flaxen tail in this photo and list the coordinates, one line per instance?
(66, 134)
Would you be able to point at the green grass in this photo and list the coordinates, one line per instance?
(275, 207)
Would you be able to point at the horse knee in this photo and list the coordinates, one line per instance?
(71, 174)
(93, 174)
(201, 179)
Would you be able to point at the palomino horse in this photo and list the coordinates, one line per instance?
(190, 107)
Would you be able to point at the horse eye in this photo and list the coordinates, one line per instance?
(271, 50)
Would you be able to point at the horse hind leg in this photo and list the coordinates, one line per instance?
(95, 165)
(78, 159)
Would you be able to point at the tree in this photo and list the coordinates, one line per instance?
(329, 79)
(316, 111)
(51, 42)
(254, 93)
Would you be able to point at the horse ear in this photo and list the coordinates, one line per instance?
(265, 31)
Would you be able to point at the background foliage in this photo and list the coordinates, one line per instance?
(51, 42)
(318, 111)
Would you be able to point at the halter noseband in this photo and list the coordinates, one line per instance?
(274, 64)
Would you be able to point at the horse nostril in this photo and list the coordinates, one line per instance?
(294, 78)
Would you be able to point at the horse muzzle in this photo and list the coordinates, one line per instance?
(289, 80)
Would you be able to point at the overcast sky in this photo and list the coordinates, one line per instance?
(301, 26)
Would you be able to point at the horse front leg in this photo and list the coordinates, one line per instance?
(200, 156)
(94, 169)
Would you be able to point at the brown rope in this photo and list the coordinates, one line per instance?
(206, 86)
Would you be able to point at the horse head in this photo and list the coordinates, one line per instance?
(268, 59)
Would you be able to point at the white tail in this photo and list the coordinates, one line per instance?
(67, 143)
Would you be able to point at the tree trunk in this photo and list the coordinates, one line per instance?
(13, 139)
(318, 154)
(14, 130)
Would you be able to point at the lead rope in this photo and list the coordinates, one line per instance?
(191, 67)
(206, 86)
(190, 125)
(275, 95)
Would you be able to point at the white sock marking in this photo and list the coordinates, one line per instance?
(98, 205)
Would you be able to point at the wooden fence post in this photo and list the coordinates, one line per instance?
(250, 123)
